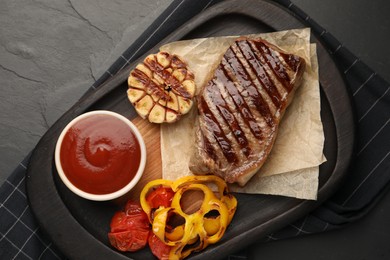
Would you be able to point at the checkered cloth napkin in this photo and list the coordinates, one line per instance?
(368, 179)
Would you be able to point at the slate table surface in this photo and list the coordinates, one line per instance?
(52, 51)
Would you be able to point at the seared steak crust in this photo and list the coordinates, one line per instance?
(240, 109)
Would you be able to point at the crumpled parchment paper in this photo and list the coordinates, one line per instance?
(292, 167)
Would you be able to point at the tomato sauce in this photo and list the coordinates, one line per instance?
(100, 154)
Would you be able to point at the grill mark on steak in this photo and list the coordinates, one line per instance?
(209, 147)
(260, 73)
(291, 60)
(283, 92)
(222, 75)
(246, 82)
(262, 91)
(224, 109)
(259, 48)
(212, 123)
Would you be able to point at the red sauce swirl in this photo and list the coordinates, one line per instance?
(100, 154)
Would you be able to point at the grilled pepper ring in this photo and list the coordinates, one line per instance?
(198, 229)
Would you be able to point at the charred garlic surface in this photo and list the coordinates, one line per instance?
(161, 88)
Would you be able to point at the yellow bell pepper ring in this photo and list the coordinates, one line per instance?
(211, 225)
(195, 230)
(231, 203)
(175, 234)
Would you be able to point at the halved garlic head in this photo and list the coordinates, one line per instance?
(161, 88)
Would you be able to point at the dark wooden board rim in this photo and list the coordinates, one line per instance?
(53, 215)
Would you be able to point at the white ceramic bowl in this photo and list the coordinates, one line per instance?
(108, 196)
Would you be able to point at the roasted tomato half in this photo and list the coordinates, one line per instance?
(160, 196)
(158, 248)
(129, 228)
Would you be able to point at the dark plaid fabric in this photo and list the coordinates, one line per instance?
(368, 180)
(20, 236)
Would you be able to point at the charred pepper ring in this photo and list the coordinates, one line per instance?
(198, 230)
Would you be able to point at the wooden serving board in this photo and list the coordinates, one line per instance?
(79, 227)
(153, 167)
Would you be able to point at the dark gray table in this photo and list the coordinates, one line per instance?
(51, 51)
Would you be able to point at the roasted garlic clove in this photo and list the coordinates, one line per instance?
(161, 88)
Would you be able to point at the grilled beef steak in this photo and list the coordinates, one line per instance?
(240, 109)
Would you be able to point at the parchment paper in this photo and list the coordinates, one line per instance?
(292, 168)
